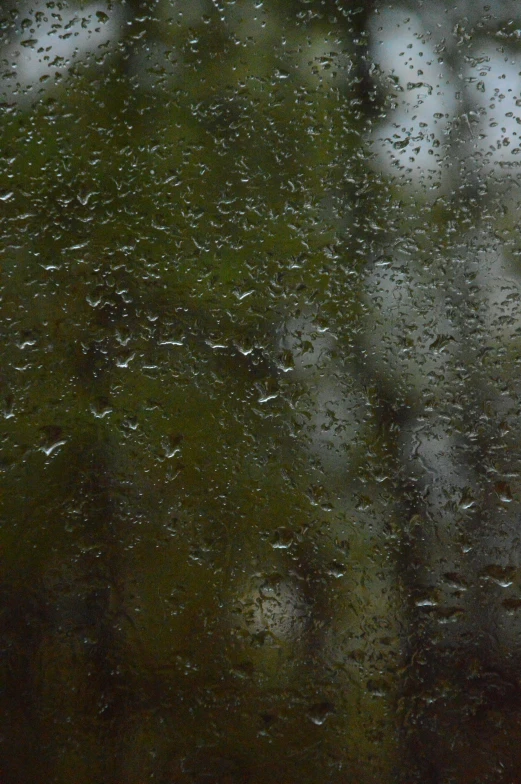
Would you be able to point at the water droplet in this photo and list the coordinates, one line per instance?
(320, 712)
(282, 539)
(504, 492)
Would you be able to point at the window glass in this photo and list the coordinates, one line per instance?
(260, 391)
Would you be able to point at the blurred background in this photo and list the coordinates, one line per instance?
(260, 392)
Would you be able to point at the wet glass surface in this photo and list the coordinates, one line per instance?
(260, 392)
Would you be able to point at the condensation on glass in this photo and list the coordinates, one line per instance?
(260, 392)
